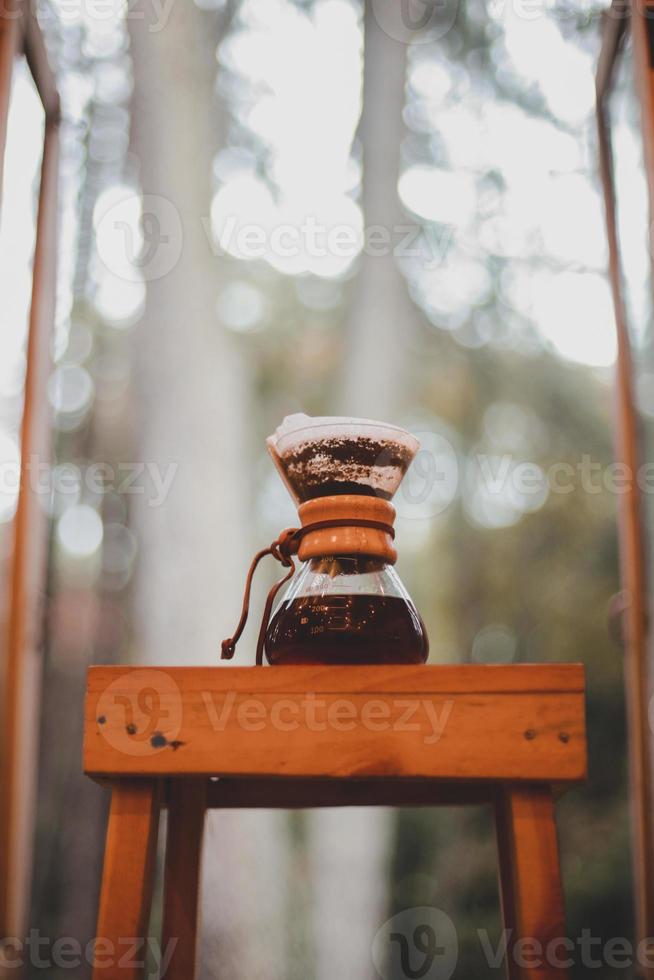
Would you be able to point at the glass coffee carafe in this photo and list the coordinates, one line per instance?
(344, 603)
(346, 609)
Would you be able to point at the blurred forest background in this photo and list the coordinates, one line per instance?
(486, 327)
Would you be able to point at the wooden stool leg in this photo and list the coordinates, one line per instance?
(530, 880)
(186, 813)
(127, 878)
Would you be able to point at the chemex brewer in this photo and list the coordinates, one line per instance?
(345, 604)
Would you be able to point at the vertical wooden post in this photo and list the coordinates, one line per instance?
(186, 817)
(530, 881)
(21, 683)
(127, 879)
(9, 39)
(632, 533)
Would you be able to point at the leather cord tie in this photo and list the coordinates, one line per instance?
(282, 550)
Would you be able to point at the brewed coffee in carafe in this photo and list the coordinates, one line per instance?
(345, 604)
(348, 610)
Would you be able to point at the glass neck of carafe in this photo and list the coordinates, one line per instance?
(333, 565)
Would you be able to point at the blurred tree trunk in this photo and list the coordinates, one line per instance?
(382, 313)
(351, 848)
(192, 411)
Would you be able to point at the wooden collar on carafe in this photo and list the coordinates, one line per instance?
(348, 539)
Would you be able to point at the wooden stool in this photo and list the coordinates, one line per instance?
(191, 738)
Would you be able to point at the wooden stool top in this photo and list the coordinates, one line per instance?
(456, 723)
(327, 736)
